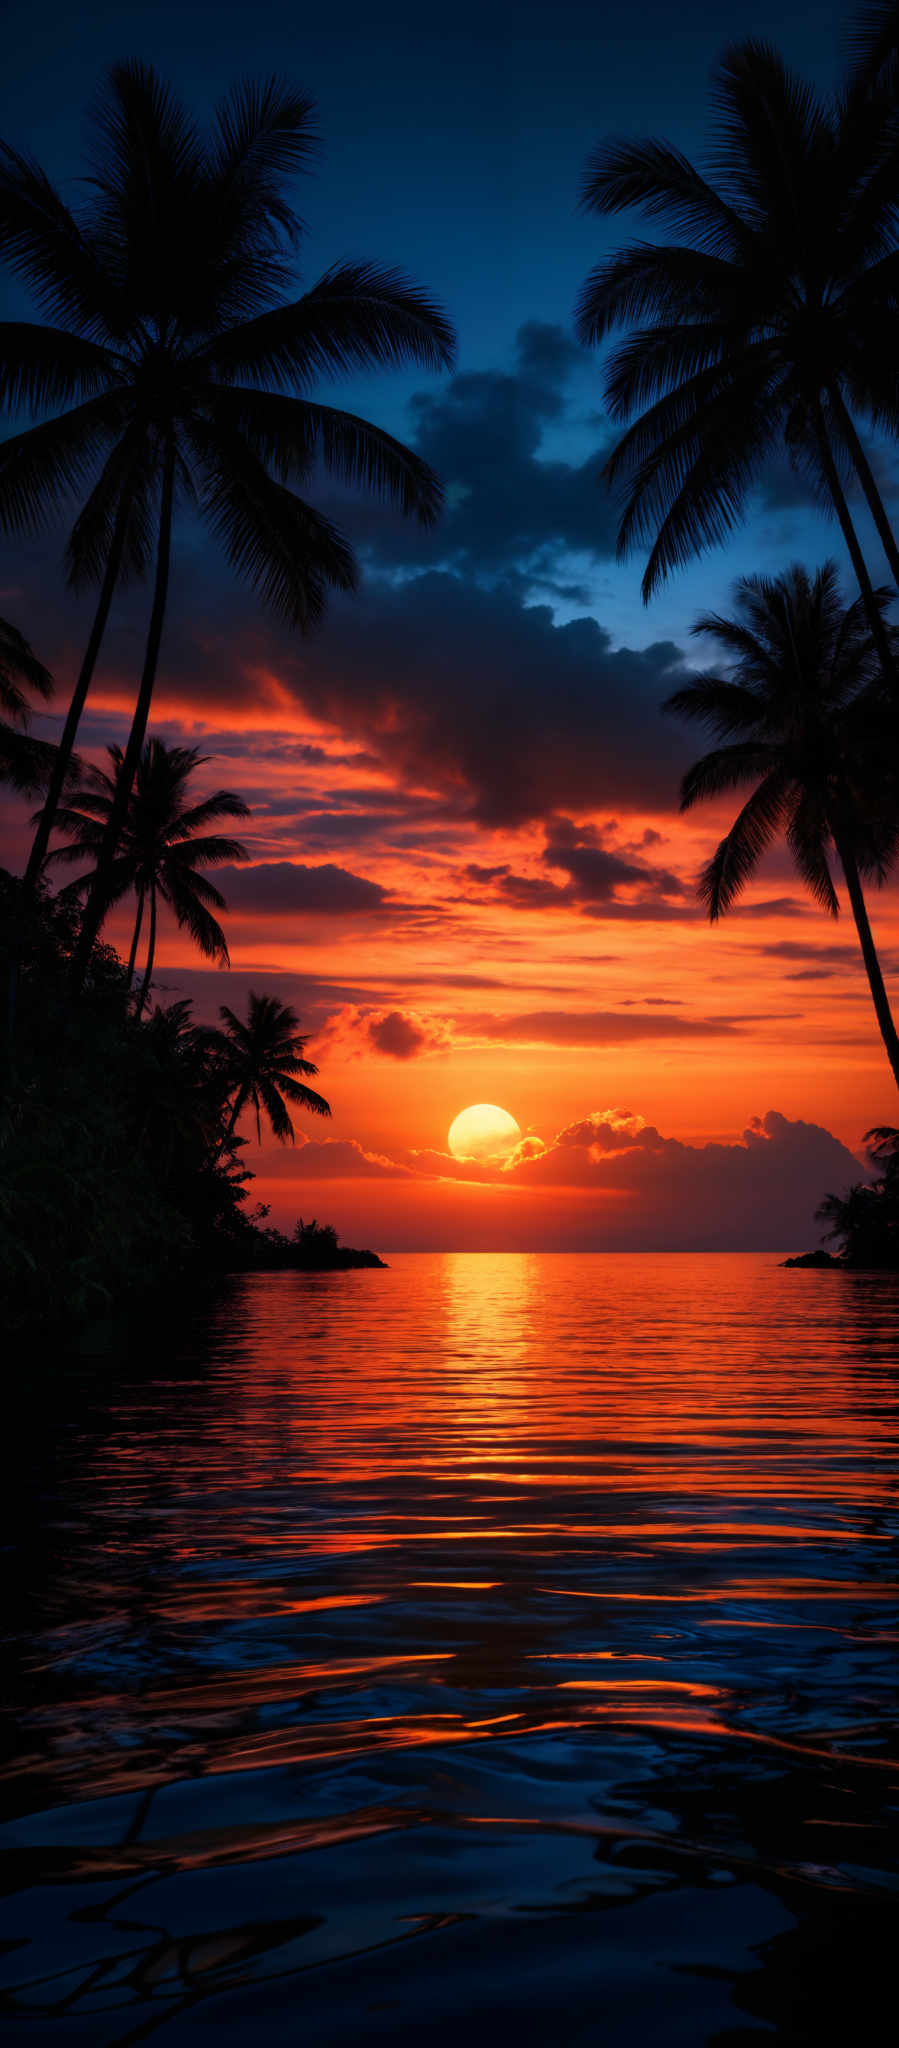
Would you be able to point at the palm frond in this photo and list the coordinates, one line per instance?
(648, 281)
(48, 463)
(287, 434)
(46, 367)
(738, 855)
(725, 707)
(42, 242)
(358, 316)
(658, 177)
(285, 549)
(263, 134)
(808, 833)
(19, 665)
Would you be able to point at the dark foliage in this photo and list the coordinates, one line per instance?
(865, 1222)
(120, 1166)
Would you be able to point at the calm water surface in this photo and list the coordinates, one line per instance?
(491, 1643)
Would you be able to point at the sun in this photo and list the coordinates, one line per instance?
(483, 1132)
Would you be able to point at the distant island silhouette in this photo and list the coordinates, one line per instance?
(313, 1248)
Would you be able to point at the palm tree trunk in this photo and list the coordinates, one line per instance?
(865, 476)
(873, 614)
(151, 955)
(66, 745)
(98, 900)
(228, 1133)
(881, 1000)
(134, 943)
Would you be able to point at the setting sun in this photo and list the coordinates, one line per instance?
(483, 1132)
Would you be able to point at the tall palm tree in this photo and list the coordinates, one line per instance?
(164, 846)
(183, 364)
(803, 716)
(25, 763)
(261, 1059)
(768, 318)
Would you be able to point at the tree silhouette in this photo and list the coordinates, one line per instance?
(184, 371)
(261, 1059)
(769, 319)
(164, 847)
(803, 716)
(25, 763)
(866, 1219)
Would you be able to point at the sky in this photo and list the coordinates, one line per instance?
(468, 869)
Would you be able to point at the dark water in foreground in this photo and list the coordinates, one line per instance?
(499, 1644)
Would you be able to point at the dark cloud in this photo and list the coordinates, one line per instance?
(471, 693)
(279, 886)
(595, 1027)
(597, 871)
(399, 1035)
(508, 508)
(654, 1192)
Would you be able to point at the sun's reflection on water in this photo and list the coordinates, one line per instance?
(598, 1551)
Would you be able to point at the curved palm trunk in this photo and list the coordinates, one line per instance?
(98, 900)
(866, 478)
(881, 1000)
(151, 955)
(66, 744)
(134, 943)
(228, 1133)
(879, 633)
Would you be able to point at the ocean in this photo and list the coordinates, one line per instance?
(490, 1643)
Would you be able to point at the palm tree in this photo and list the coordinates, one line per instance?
(769, 319)
(260, 1061)
(803, 716)
(183, 368)
(867, 1217)
(163, 848)
(25, 763)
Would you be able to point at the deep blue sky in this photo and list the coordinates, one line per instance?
(455, 149)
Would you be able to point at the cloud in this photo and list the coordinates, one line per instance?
(608, 1181)
(279, 886)
(597, 874)
(402, 1035)
(596, 871)
(759, 1192)
(334, 1159)
(508, 507)
(595, 1027)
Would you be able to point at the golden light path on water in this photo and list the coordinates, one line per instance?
(480, 1600)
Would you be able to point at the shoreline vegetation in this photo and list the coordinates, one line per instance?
(121, 1168)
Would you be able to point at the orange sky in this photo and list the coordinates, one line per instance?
(451, 987)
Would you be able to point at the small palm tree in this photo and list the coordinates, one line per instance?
(261, 1059)
(804, 718)
(769, 317)
(164, 847)
(866, 1219)
(25, 763)
(177, 365)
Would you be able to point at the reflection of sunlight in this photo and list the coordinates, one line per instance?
(491, 1351)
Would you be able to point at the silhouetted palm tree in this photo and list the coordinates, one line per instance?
(163, 848)
(184, 370)
(805, 718)
(874, 50)
(260, 1062)
(867, 1217)
(25, 762)
(769, 319)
